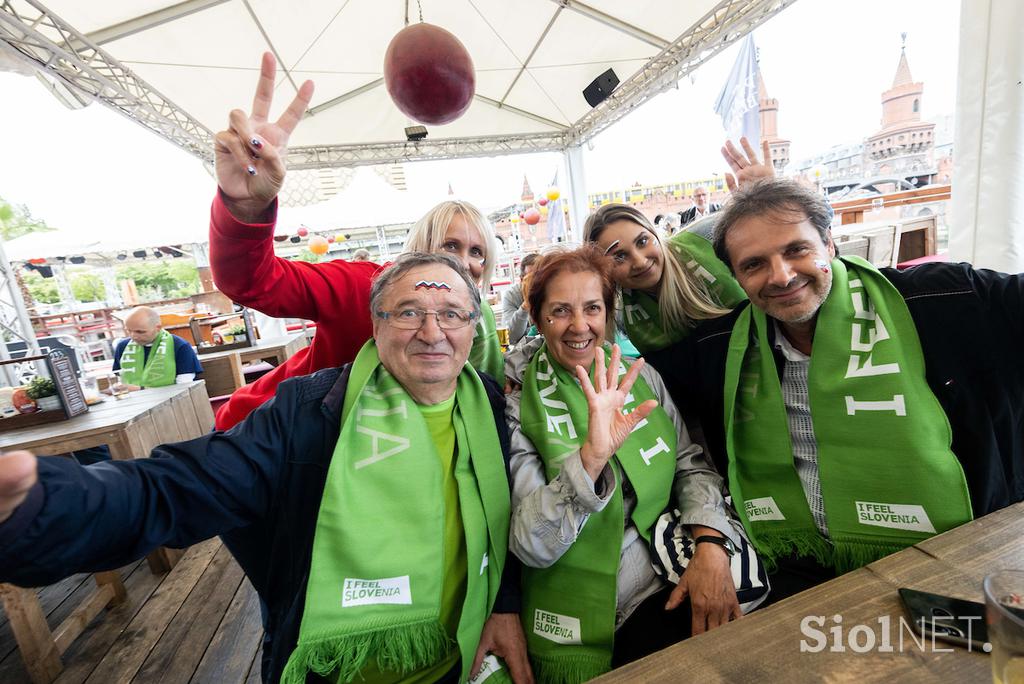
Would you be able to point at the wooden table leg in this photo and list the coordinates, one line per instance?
(39, 647)
(36, 644)
(163, 559)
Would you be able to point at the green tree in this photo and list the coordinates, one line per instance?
(166, 279)
(43, 290)
(16, 221)
(87, 287)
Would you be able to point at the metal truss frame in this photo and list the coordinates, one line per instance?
(723, 25)
(48, 42)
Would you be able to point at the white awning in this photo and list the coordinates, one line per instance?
(179, 68)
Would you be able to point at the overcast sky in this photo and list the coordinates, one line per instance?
(827, 62)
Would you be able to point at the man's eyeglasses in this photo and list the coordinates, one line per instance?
(412, 319)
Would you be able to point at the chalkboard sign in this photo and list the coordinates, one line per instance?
(65, 380)
(64, 377)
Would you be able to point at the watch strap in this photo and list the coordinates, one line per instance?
(724, 542)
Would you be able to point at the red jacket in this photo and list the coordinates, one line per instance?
(335, 294)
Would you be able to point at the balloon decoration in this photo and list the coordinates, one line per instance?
(543, 210)
(542, 201)
(303, 231)
(37, 262)
(552, 193)
(532, 217)
(330, 239)
(340, 237)
(514, 218)
(429, 74)
(318, 244)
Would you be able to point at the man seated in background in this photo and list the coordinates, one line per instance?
(152, 357)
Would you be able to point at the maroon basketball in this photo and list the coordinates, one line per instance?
(429, 74)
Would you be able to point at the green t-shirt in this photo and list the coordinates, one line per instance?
(442, 432)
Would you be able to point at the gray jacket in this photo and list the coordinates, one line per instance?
(548, 516)
(513, 316)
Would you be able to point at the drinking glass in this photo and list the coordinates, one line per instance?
(117, 388)
(1004, 616)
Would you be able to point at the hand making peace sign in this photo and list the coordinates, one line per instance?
(250, 153)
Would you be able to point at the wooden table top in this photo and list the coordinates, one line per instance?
(108, 415)
(765, 646)
(261, 346)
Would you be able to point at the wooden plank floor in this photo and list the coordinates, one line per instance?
(199, 623)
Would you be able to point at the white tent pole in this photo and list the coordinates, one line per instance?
(67, 296)
(987, 228)
(577, 193)
(111, 293)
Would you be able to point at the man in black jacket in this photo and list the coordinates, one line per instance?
(970, 325)
(701, 207)
(264, 486)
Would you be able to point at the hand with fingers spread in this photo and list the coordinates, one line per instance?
(250, 153)
(17, 475)
(608, 427)
(747, 167)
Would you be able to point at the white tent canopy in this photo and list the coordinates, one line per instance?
(178, 68)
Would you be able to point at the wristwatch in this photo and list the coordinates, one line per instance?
(724, 542)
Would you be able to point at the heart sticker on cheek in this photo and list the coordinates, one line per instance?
(823, 266)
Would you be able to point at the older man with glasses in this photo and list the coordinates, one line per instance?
(368, 504)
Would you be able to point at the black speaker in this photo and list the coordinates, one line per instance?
(601, 87)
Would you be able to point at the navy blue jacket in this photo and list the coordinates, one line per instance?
(258, 486)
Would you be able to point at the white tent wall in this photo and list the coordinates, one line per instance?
(987, 229)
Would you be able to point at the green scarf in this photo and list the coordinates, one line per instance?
(641, 313)
(569, 608)
(375, 579)
(486, 352)
(159, 370)
(888, 476)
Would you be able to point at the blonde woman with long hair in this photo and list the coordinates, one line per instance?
(668, 285)
(460, 229)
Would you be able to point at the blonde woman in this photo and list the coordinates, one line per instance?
(670, 284)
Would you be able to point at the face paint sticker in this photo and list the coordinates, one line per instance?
(823, 266)
(432, 285)
(611, 247)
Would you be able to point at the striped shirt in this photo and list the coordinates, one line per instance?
(801, 428)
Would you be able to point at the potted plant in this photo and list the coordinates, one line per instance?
(44, 393)
(238, 332)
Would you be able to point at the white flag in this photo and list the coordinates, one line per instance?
(739, 103)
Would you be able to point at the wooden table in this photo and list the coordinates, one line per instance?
(223, 370)
(131, 427)
(765, 645)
